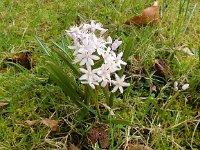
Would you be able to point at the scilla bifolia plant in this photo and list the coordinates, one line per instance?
(95, 63)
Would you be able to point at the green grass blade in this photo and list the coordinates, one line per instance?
(44, 48)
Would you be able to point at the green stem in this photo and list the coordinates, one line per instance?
(110, 104)
(106, 93)
(94, 97)
(97, 105)
(87, 97)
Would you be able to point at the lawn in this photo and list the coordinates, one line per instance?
(156, 115)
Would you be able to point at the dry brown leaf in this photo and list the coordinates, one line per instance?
(32, 122)
(23, 58)
(52, 124)
(73, 147)
(3, 104)
(150, 15)
(137, 147)
(93, 135)
(103, 138)
(161, 68)
(100, 135)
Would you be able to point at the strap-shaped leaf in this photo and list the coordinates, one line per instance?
(68, 61)
(44, 48)
(64, 80)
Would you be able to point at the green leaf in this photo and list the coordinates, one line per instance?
(68, 61)
(44, 48)
(67, 84)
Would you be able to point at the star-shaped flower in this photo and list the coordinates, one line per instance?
(119, 83)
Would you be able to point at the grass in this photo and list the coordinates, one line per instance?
(165, 120)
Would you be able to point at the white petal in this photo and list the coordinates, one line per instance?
(92, 85)
(117, 77)
(109, 40)
(175, 84)
(122, 62)
(121, 89)
(90, 62)
(72, 47)
(83, 70)
(185, 86)
(175, 88)
(83, 62)
(84, 77)
(95, 57)
(104, 83)
(103, 31)
(125, 84)
(114, 89)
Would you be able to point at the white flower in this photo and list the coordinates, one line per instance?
(112, 66)
(108, 55)
(99, 45)
(90, 77)
(175, 86)
(89, 46)
(109, 40)
(185, 86)
(97, 26)
(86, 58)
(116, 44)
(119, 83)
(119, 60)
(104, 73)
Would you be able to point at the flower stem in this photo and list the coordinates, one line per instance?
(106, 93)
(87, 97)
(112, 95)
(97, 105)
(94, 96)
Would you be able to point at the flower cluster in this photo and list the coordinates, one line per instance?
(90, 46)
(184, 87)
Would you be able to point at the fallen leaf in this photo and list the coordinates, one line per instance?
(185, 49)
(23, 58)
(93, 135)
(161, 68)
(103, 138)
(3, 104)
(137, 147)
(73, 147)
(52, 124)
(32, 123)
(150, 15)
(98, 134)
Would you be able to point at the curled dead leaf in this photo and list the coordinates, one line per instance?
(23, 58)
(149, 16)
(32, 122)
(52, 124)
(185, 49)
(161, 69)
(3, 105)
